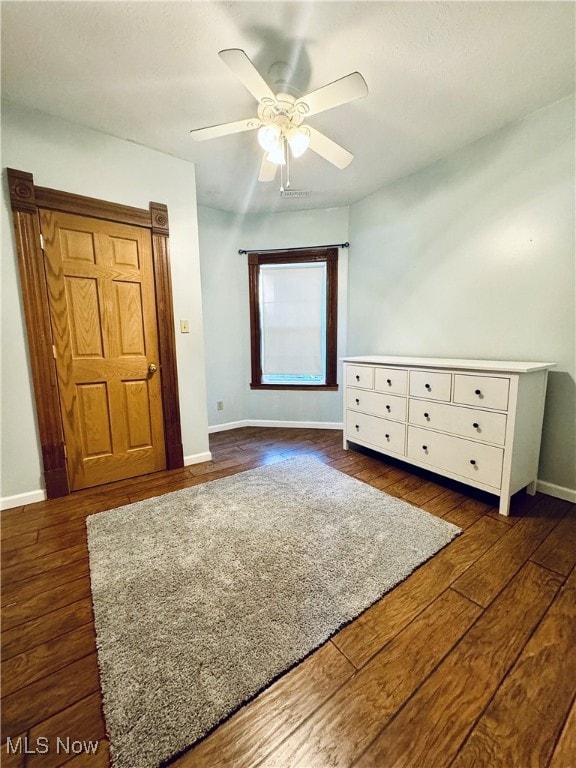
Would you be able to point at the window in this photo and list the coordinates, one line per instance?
(293, 316)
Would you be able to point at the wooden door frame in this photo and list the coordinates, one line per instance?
(25, 200)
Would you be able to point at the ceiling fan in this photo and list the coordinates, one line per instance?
(280, 117)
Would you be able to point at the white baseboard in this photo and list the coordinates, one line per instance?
(567, 494)
(297, 424)
(20, 499)
(229, 425)
(197, 458)
(9, 502)
(272, 423)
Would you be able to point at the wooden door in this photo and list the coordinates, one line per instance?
(102, 307)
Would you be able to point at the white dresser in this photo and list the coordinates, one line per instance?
(476, 421)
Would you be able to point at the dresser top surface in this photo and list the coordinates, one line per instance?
(495, 366)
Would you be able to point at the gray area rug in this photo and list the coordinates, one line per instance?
(203, 596)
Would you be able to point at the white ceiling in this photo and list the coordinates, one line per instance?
(440, 75)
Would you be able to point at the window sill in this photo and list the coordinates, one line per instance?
(313, 387)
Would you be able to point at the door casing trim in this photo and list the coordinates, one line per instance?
(25, 200)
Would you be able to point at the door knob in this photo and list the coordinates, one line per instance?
(152, 368)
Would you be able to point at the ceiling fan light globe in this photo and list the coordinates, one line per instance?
(299, 141)
(277, 155)
(268, 136)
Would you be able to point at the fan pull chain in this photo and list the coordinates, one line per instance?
(286, 150)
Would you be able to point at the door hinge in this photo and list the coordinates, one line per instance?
(41, 241)
(65, 451)
(54, 351)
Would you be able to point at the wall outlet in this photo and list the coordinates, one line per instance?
(219, 405)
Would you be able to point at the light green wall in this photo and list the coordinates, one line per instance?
(65, 156)
(225, 307)
(475, 257)
(225, 312)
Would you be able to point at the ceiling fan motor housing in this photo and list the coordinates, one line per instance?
(281, 111)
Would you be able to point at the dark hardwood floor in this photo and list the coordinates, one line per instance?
(469, 662)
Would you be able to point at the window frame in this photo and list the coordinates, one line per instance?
(256, 259)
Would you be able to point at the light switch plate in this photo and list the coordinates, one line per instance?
(184, 326)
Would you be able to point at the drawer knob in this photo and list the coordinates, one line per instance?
(388, 408)
(473, 462)
(387, 436)
(389, 382)
(357, 401)
(426, 415)
(477, 391)
(476, 425)
(428, 387)
(357, 377)
(424, 447)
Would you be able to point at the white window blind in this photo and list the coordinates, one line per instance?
(293, 312)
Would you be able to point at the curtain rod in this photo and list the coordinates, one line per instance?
(302, 248)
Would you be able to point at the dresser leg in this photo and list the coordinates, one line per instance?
(504, 508)
(531, 489)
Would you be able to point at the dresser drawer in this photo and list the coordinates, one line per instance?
(466, 422)
(391, 380)
(482, 391)
(377, 403)
(476, 461)
(360, 376)
(431, 385)
(387, 435)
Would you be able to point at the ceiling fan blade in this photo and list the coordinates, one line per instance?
(267, 170)
(328, 149)
(214, 131)
(247, 73)
(348, 88)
